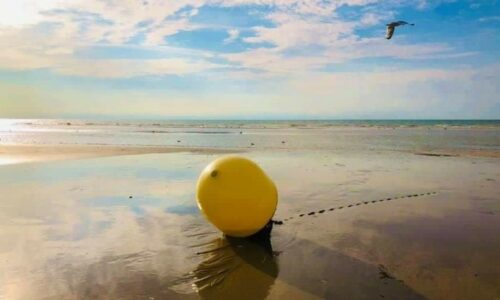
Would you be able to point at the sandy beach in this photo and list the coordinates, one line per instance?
(368, 213)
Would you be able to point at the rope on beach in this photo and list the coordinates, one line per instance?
(321, 211)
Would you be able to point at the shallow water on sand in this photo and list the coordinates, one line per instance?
(128, 228)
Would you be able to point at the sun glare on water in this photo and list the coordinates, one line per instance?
(7, 125)
(10, 160)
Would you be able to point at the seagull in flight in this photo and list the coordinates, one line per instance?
(392, 25)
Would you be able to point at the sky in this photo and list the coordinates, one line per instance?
(249, 59)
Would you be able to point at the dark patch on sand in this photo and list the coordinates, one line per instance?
(384, 273)
(435, 154)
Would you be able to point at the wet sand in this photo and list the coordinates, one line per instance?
(14, 154)
(122, 223)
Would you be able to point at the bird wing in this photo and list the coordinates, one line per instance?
(389, 32)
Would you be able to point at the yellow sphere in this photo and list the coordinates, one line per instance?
(236, 196)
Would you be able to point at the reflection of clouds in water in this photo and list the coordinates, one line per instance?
(48, 202)
(183, 210)
(148, 167)
(108, 201)
(62, 259)
(10, 160)
(139, 275)
(70, 228)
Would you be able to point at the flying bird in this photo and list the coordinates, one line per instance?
(392, 25)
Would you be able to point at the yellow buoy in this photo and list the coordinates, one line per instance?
(236, 196)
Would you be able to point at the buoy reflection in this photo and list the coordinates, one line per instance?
(237, 268)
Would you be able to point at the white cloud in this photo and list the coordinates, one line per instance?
(34, 50)
(60, 60)
(285, 76)
(156, 35)
(119, 68)
(292, 31)
(19, 13)
(307, 35)
(374, 18)
(314, 83)
(489, 19)
(335, 51)
(233, 34)
(409, 93)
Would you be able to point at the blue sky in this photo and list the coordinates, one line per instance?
(151, 59)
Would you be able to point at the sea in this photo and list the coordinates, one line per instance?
(260, 134)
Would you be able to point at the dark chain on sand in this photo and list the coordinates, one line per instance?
(321, 211)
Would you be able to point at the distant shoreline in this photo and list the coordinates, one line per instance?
(19, 124)
(36, 140)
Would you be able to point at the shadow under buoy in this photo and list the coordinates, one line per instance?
(248, 268)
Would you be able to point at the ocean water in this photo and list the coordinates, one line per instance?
(336, 135)
(56, 123)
